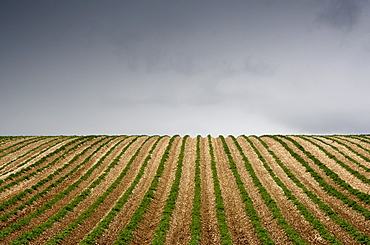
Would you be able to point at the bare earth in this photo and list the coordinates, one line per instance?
(19, 153)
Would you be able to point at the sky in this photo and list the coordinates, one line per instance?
(184, 67)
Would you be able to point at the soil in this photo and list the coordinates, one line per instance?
(239, 224)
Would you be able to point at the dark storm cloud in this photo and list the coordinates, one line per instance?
(176, 67)
(342, 14)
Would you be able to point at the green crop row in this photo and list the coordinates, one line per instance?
(269, 201)
(33, 149)
(361, 238)
(19, 196)
(42, 160)
(196, 223)
(341, 163)
(326, 187)
(18, 225)
(27, 160)
(361, 195)
(27, 141)
(103, 224)
(290, 196)
(126, 234)
(345, 155)
(361, 138)
(164, 224)
(28, 236)
(220, 208)
(87, 213)
(351, 149)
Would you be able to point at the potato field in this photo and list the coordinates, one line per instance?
(273, 189)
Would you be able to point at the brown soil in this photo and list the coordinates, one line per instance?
(13, 144)
(63, 202)
(240, 227)
(103, 209)
(356, 148)
(334, 166)
(123, 217)
(145, 231)
(342, 158)
(345, 212)
(277, 233)
(332, 227)
(61, 186)
(17, 155)
(34, 179)
(95, 193)
(324, 176)
(210, 233)
(15, 169)
(9, 142)
(179, 231)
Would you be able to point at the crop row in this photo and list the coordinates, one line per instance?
(8, 150)
(104, 223)
(341, 163)
(43, 181)
(164, 224)
(90, 210)
(126, 234)
(361, 238)
(37, 163)
(24, 221)
(326, 187)
(28, 236)
(196, 223)
(88, 189)
(26, 153)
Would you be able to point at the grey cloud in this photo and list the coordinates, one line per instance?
(259, 68)
(330, 122)
(166, 67)
(341, 14)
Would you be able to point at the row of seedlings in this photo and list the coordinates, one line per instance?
(314, 222)
(196, 222)
(220, 207)
(126, 235)
(36, 151)
(352, 231)
(57, 239)
(103, 225)
(36, 157)
(353, 139)
(34, 188)
(19, 145)
(361, 138)
(330, 154)
(62, 213)
(346, 155)
(325, 186)
(14, 141)
(366, 159)
(49, 205)
(269, 201)
(60, 150)
(364, 197)
(164, 224)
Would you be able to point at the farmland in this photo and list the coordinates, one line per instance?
(181, 190)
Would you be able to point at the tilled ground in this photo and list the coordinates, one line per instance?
(349, 225)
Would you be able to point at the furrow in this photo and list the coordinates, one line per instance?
(179, 226)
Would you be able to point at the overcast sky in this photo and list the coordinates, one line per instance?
(185, 67)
